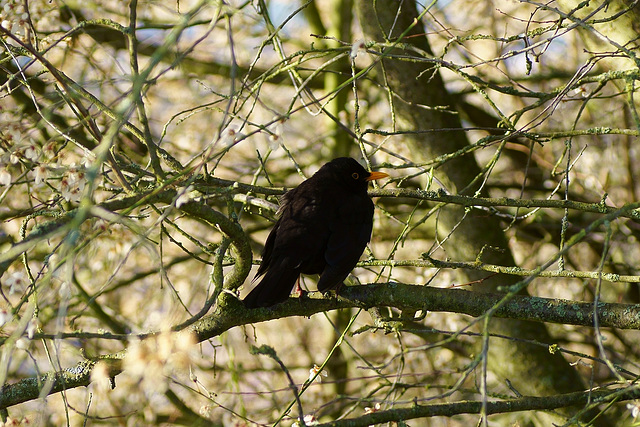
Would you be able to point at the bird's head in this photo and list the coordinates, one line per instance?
(350, 173)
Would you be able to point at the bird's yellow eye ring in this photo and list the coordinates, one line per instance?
(355, 175)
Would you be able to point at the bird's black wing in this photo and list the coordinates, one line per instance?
(350, 231)
(295, 245)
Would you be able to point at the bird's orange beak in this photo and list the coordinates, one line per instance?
(377, 175)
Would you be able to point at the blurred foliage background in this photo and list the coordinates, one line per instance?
(143, 147)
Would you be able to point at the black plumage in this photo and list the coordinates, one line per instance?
(323, 227)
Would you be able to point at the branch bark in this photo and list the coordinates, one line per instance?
(230, 313)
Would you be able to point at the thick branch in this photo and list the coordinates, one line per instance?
(411, 297)
(528, 403)
(230, 312)
(53, 382)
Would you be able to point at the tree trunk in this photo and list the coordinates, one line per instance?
(417, 90)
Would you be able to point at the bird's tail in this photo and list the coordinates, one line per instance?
(275, 287)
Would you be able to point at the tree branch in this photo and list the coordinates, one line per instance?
(529, 403)
(230, 312)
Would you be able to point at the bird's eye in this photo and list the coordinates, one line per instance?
(355, 175)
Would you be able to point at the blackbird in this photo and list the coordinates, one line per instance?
(324, 225)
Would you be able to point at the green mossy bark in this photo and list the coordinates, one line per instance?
(531, 370)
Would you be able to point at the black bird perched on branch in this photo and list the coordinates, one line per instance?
(324, 225)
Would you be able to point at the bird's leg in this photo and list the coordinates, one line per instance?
(298, 290)
(333, 292)
(339, 287)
